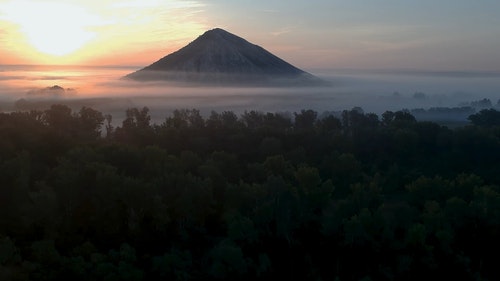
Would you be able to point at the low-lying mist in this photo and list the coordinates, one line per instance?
(28, 87)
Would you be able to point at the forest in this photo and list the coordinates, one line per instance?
(259, 196)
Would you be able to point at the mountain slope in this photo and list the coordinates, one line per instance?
(219, 57)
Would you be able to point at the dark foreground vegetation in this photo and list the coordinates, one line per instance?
(260, 196)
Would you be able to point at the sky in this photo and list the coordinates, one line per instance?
(444, 35)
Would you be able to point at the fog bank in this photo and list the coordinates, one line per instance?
(30, 87)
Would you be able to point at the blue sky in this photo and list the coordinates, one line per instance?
(444, 34)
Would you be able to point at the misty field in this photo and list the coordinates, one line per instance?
(117, 180)
(375, 91)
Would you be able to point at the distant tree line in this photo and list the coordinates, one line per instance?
(259, 196)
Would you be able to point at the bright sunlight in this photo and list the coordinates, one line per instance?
(95, 32)
(53, 28)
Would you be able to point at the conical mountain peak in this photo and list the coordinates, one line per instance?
(217, 31)
(222, 58)
(220, 34)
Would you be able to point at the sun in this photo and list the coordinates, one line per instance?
(53, 28)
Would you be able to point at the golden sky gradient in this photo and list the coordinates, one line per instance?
(424, 34)
(95, 32)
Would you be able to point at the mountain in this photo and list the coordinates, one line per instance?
(54, 91)
(221, 58)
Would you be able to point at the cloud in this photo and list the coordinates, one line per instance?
(54, 77)
(282, 31)
(11, 77)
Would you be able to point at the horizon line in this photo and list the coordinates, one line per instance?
(374, 70)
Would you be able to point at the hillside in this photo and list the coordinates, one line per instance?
(221, 58)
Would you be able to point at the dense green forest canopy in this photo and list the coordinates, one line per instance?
(259, 196)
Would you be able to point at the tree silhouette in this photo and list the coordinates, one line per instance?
(486, 118)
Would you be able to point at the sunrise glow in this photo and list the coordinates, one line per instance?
(321, 34)
(53, 28)
(89, 32)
